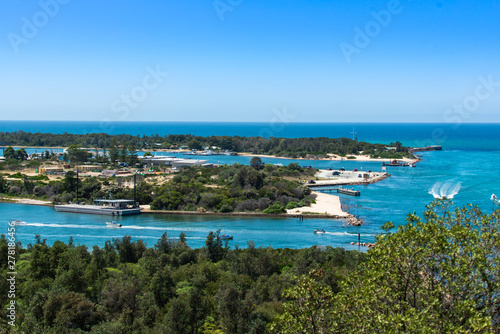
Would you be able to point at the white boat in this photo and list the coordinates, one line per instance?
(318, 231)
(17, 223)
(495, 199)
(113, 224)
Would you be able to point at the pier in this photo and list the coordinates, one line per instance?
(340, 190)
(427, 148)
(345, 178)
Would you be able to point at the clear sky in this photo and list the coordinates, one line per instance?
(243, 60)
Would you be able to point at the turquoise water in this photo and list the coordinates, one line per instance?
(466, 169)
(452, 135)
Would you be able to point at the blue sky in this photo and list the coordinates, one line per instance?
(242, 60)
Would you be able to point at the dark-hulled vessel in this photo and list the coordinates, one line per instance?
(110, 207)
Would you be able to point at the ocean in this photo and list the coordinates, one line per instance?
(466, 170)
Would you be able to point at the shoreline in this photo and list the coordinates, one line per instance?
(326, 206)
(330, 156)
(27, 201)
(333, 157)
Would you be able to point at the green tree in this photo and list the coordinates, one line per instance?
(132, 158)
(69, 183)
(436, 275)
(9, 153)
(308, 309)
(21, 154)
(77, 155)
(213, 246)
(256, 163)
(113, 151)
(194, 145)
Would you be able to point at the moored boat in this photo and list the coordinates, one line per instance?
(396, 163)
(111, 207)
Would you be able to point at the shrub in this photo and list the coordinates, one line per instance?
(274, 209)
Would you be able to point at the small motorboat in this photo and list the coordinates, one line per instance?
(113, 224)
(319, 231)
(495, 199)
(17, 223)
(226, 237)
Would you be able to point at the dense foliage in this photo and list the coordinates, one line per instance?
(236, 188)
(286, 147)
(437, 275)
(126, 287)
(227, 188)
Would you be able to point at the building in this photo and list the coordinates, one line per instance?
(173, 162)
(88, 168)
(50, 170)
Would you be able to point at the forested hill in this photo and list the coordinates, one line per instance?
(285, 147)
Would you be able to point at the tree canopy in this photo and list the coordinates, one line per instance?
(439, 274)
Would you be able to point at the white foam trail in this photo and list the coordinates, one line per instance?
(92, 227)
(342, 234)
(132, 227)
(447, 189)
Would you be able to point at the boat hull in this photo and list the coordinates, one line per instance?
(96, 210)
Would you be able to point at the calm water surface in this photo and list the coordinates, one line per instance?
(467, 170)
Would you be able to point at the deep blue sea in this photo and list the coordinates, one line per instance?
(466, 169)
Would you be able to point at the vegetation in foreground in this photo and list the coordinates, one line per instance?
(436, 274)
(283, 147)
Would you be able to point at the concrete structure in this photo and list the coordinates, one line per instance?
(50, 170)
(173, 162)
(88, 168)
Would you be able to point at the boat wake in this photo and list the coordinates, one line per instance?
(97, 227)
(445, 190)
(343, 234)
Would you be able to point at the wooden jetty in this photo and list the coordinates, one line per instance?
(347, 191)
(341, 190)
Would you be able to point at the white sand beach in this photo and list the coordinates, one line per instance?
(26, 201)
(325, 204)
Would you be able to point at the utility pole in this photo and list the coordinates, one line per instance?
(354, 137)
(135, 174)
(77, 186)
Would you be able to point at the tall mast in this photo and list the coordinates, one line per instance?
(77, 186)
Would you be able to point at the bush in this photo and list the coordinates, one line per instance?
(14, 190)
(226, 208)
(275, 209)
(291, 205)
